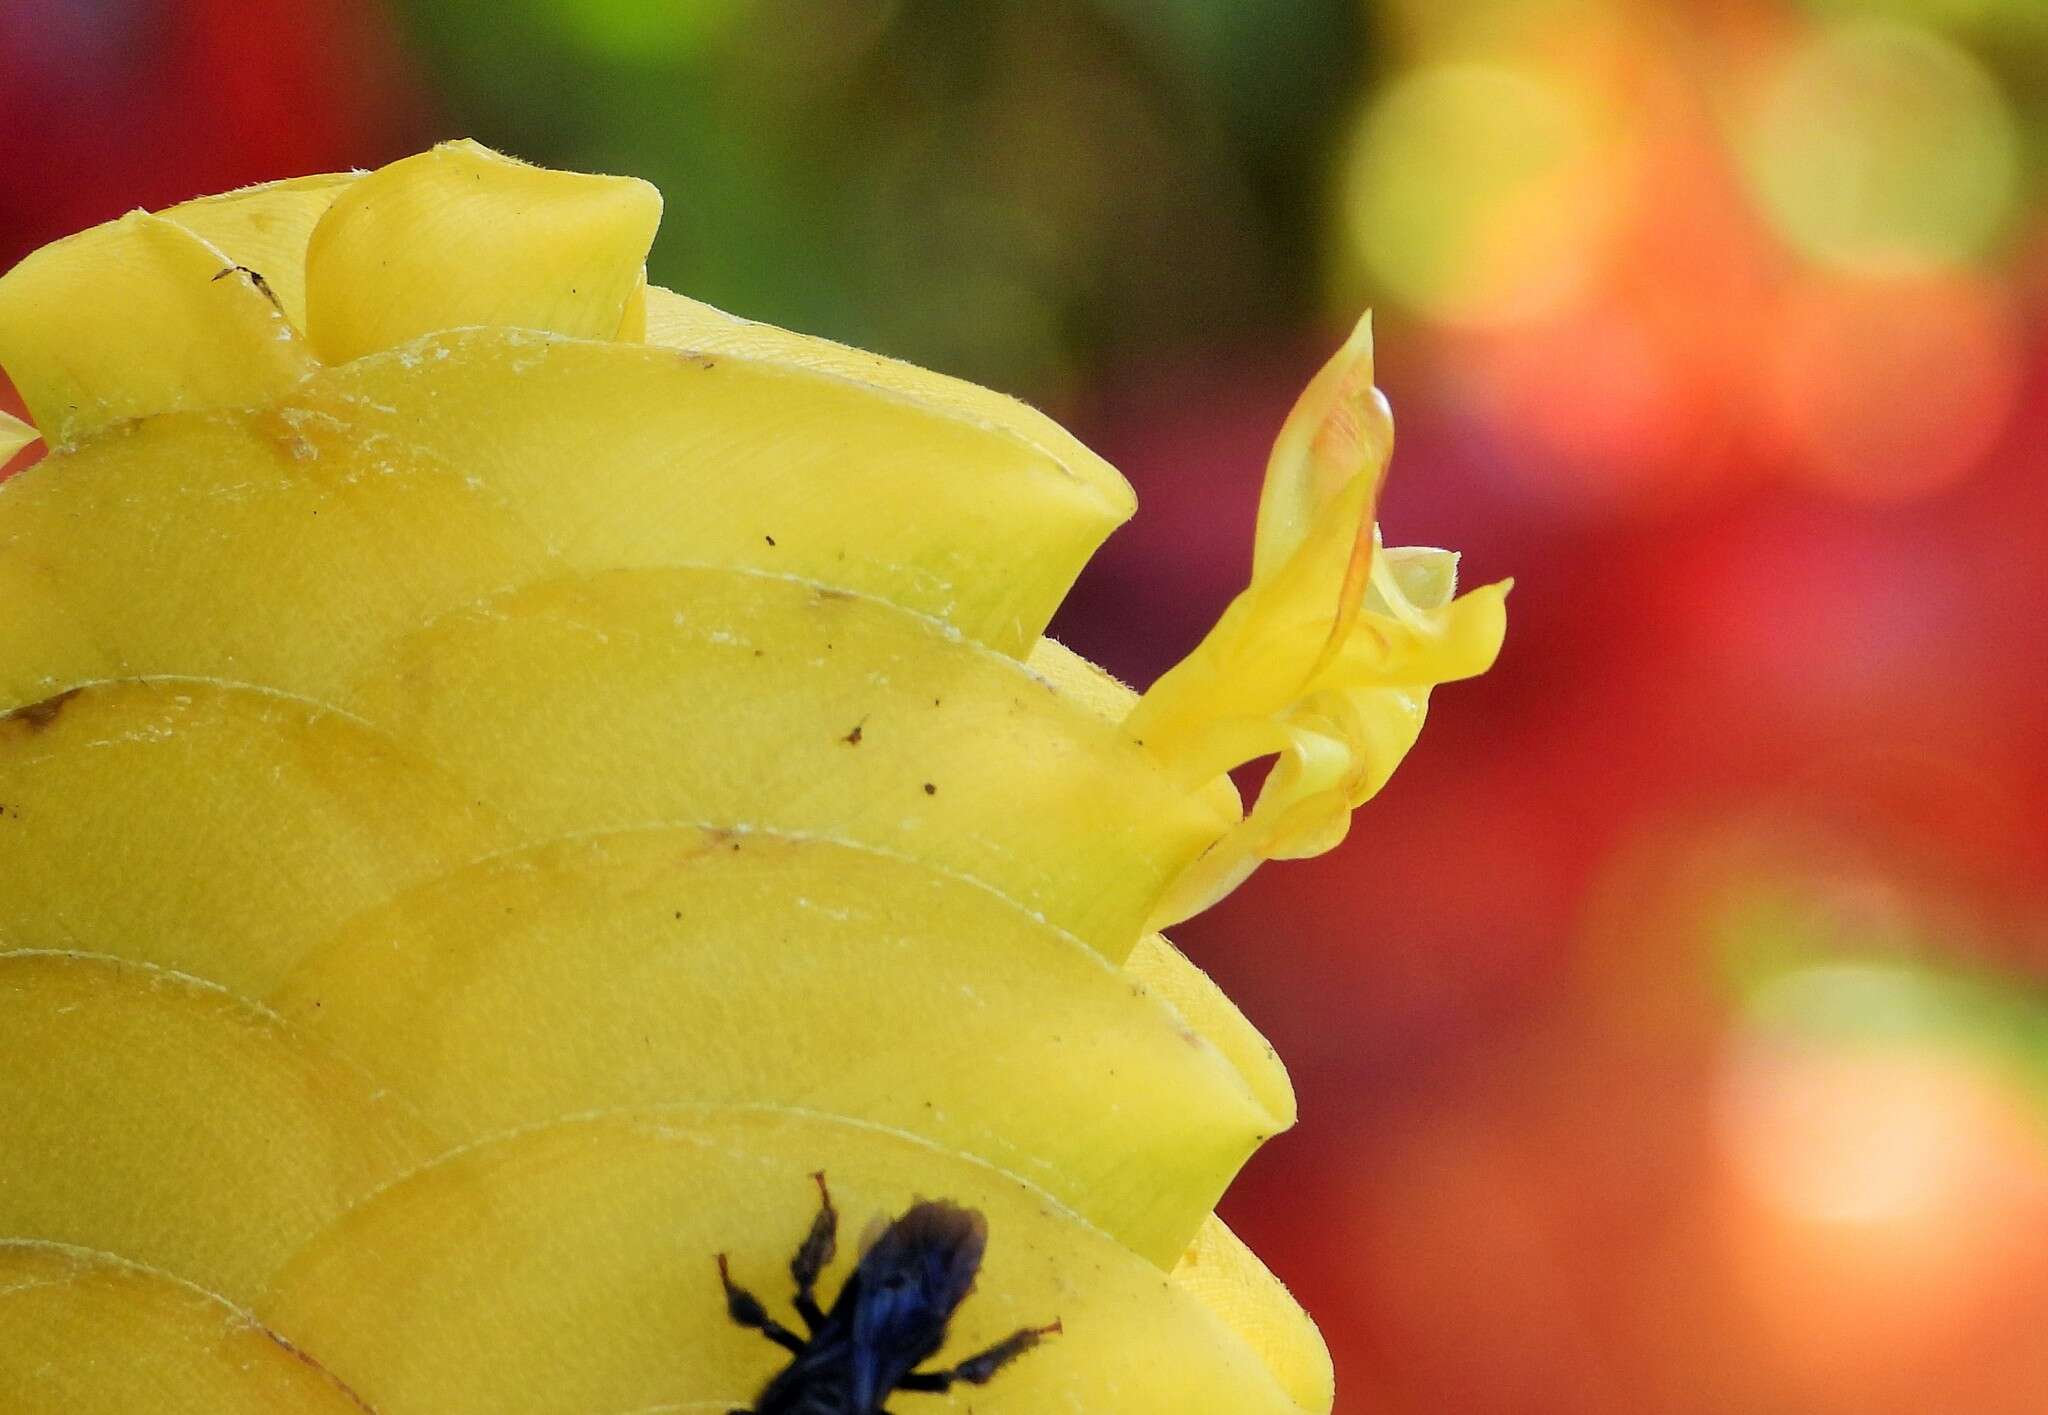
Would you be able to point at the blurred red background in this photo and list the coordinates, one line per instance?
(1670, 1033)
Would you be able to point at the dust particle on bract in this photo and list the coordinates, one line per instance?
(37, 716)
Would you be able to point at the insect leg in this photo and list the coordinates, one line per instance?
(256, 279)
(746, 1310)
(811, 1259)
(980, 1369)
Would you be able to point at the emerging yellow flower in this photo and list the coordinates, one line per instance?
(507, 770)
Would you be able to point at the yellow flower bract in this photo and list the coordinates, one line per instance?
(507, 770)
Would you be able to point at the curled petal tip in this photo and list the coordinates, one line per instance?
(1326, 661)
(461, 235)
(128, 319)
(1339, 431)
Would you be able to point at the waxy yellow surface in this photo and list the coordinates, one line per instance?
(289, 545)
(1326, 661)
(266, 229)
(154, 320)
(1207, 1011)
(678, 322)
(395, 255)
(512, 769)
(1228, 1278)
(214, 829)
(84, 1333)
(158, 1118)
(688, 965)
(499, 994)
(742, 700)
(551, 1272)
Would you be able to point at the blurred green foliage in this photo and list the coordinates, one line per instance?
(1806, 967)
(1006, 190)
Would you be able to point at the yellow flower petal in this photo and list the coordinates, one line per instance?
(287, 545)
(633, 322)
(1231, 1281)
(1163, 968)
(1326, 661)
(614, 740)
(84, 1333)
(750, 701)
(595, 1288)
(462, 236)
(557, 981)
(440, 994)
(1339, 431)
(153, 1116)
(679, 322)
(142, 820)
(266, 228)
(135, 317)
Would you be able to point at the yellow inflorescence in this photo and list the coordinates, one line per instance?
(504, 770)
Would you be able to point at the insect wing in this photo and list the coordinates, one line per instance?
(908, 1283)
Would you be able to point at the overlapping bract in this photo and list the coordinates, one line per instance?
(507, 769)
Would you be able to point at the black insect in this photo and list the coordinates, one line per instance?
(887, 1321)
